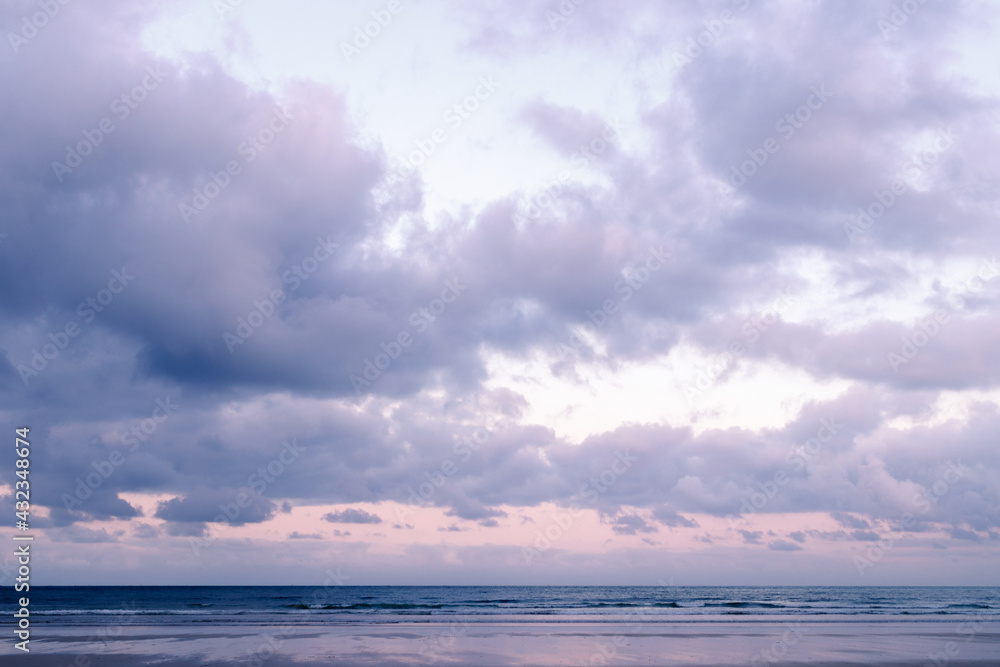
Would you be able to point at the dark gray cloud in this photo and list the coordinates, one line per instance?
(236, 507)
(669, 517)
(351, 515)
(187, 529)
(865, 535)
(963, 534)
(631, 524)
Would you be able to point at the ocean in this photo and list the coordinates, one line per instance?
(289, 605)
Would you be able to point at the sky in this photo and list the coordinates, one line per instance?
(434, 292)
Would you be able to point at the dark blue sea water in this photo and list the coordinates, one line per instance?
(386, 604)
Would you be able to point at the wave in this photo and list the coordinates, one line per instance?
(116, 612)
(747, 605)
(367, 605)
(431, 604)
(970, 605)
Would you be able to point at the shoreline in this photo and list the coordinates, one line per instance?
(307, 619)
(789, 641)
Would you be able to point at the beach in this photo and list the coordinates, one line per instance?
(255, 626)
(792, 641)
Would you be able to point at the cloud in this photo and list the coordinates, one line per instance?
(187, 529)
(669, 517)
(865, 535)
(782, 545)
(101, 505)
(849, 521)
(303, 272)
(84, 535)
(351, 515)
(217, 506)
(631, 524)
(963, 534)
(145, 531)
(567, 129)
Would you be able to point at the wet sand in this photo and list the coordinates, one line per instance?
(788, 642)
